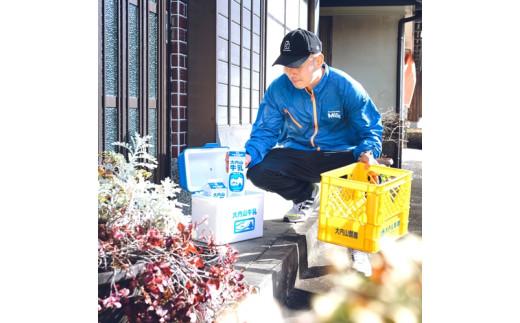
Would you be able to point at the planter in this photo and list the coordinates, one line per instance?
(112, 316)
(120, 277)
(105, 278)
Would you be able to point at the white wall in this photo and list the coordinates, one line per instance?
(364, 45)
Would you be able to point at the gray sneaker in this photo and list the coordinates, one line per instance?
(301, 211)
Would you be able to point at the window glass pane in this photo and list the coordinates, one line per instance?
(256, 43)
(246, 58)
(235, 75)
(110, 47)
(152, 55)
(256, 7)
(245, 116)
(222, 7)
(255, 99)
(256, 62)
(254, 112)
(222, 27)
(110, 128)
(222, 115)
(235, 54)
(246, 18)
(235, 11)
(235, 116)
(133, 121)
(247, 4)
(245, 98)
(256, 80)
(276, 8)
(133, 51)
(235, 96)
(235, 33)
(246, 38)
(276, 33)
(256, 25)
(246, 78)
(222, 72)
(222, 94)
(222, 49)
(152, 130)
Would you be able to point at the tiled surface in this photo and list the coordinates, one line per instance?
(179, 74)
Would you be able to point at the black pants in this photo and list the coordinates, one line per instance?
(290, 172)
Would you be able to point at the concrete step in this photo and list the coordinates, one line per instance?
(276, 261)
(272, 263)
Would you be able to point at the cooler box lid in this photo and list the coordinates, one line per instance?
(197, 165)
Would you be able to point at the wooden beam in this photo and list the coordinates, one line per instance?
(122, 71)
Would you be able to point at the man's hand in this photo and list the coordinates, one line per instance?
(367, 158)
(248, 160)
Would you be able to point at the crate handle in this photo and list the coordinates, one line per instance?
(362, 173)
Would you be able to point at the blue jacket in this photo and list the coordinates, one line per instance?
(342, 118)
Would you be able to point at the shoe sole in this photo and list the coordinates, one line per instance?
(286, 219)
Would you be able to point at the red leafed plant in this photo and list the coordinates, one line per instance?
(172, 279)
(180, 281)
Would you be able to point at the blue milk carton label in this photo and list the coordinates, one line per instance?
(237, 172)
(215, 188)
(243, 220)
(236, 182)
(244, 225)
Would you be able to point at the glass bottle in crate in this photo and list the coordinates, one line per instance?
(237, 172)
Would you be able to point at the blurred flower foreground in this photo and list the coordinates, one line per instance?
(391, 295)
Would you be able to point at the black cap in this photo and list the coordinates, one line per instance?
(296, 47)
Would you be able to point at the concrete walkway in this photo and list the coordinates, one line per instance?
(412, 160)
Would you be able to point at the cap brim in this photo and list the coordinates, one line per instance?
(290, 61)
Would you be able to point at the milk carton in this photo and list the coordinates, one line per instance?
(236, 217)
(237, 171)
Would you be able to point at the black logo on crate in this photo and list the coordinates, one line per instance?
(391, 227)
(347, 233)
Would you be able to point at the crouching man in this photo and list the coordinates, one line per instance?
(312, 119)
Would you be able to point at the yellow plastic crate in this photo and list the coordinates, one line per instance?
(358, 213)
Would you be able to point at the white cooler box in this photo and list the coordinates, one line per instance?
(229, 219)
